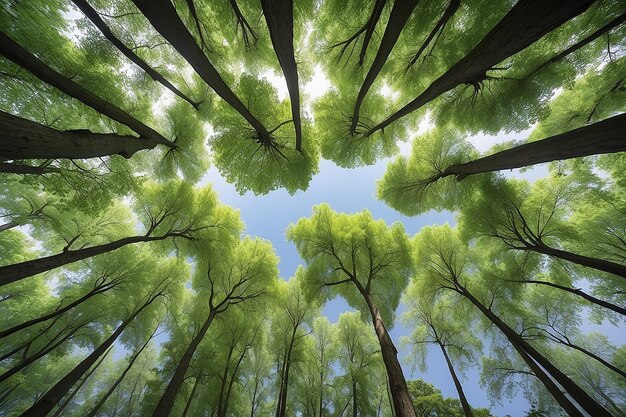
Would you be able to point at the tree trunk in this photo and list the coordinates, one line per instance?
(282, 410)
(119, 380)
(16, 272)
(190, 399)
(591, 355)
(525, 23)
(279, 17)
(355, 408)
(23, 139)
(607, 136)
(322, 393)
(402, 403)
(453, 6)
(164, 407)
(400, 13)
(9, 225)
(10, 168)
(370, 27)
(577, 393)
(56, 313)
(164, 18)
(221, 409)
(459, 388)
(23, 58)
(95, 18)
(47, 402)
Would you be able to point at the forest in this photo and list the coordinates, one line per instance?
(128, 287)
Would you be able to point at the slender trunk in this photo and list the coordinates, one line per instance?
(279, 17)
(595, 263)
(453, 6)
(400, 13)
(68, 400)
(26, 345)
(16, 272)
(5, 395)
(23, 58)
(221, 409)
(246, 29)
(256, 388)
(190, 399)
(10, 225)
(164, 18)
(56, 313)
(47, 402)
(459, 388)
(595, 35)
(594, 300)
(95, 18)
(24, 139)
(354, 400)
(322, 393)
(11, 168)
(592, 355)
(370, 27)
(607, 136)
(233, 378)
(525, 23)
(164, 407)
(119, 380)
(577, 393)
(283, 394)
(402, 403)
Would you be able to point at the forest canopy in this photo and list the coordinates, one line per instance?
(127, 288)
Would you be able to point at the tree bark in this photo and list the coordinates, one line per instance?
(190, 399)
(355, 408)
(11, 168)
(400, 13)
(119, 380)
(279, 17)
(95, 18)
(164, 407)
(402, 403)
(16, 272)
(163, 17)
(577, 393)
(459, 388)
(47, 402)
(23, 58)
(525, 23)
(607, 136)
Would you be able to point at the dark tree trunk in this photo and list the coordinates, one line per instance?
(95, 18)
(11, 168)
(16, 272)
(577, 393)
(221, 407)
(119, 380)
(607, 136)
(98, 290)
(164, 407)
(190, 399)
(400, 13)
(525, 23)
(163, 17)
(9, 225)
(592, 355)
(246, 29)
(23, 58)
(47, 402)
(581, 294)
(459, 388)
(322, 393)
(355, 403)
(402, 403)
(279, 17)
(370, 27)
(282, 398)
(453, 6)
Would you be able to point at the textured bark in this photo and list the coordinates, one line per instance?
(279, 17)
(525, 23)
(95, 18)
(577, 393)
(47, 402)
(16, 272)
(163, 17)
(400, 13)
(164, 407)
(453, 6)
(14, 52)
(459, 388)
(607, 136)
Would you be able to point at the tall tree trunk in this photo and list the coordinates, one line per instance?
(119, 380)
(221, 409)
(355, 403)
(402, 403)
(607, 136)
(279, 17)
(459, 388)
(23, 139)
(580, 293)
(191, 396)
(47, 402)
(13, 168)
(95, 18)
(10, 225)
(164, 18)
(16, 272)
(164, 407)
(453, 6)
(282, 407)
(400, 13)
(525, 23)
(568, 343)
(321, 392)
(23, 58)
(97, 290)
(577, 393)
